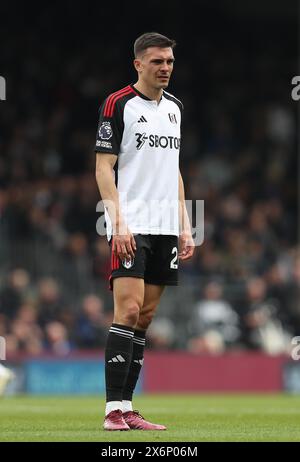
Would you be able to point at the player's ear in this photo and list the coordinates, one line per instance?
(137, 64)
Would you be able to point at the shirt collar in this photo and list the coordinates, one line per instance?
(144, 96)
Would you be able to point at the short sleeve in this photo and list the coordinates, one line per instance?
(110, 130)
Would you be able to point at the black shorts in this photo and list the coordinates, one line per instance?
(155, 260)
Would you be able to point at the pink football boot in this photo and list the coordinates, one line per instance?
(115, 421)
(137, 422)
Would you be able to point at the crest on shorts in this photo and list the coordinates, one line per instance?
(128, 263)
(105, 131)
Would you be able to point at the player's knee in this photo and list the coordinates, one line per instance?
(145, 320)
(131, 314)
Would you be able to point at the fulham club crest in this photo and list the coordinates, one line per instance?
(172, 118)
(128, 263)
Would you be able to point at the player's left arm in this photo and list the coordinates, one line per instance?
(186, 241)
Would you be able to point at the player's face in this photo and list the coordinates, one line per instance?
(155, 66)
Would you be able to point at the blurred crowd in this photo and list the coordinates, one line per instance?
(241, 290)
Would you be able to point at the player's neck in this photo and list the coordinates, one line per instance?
(150, 92)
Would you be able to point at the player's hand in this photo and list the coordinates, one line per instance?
(186, 246)
(124, 245)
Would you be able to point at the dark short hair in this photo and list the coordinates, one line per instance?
(152, 39)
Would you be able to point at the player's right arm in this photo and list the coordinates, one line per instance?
(124, 244)
(108, 142)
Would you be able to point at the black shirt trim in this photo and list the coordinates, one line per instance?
(139, 93)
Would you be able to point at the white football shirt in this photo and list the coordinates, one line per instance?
(145, 135)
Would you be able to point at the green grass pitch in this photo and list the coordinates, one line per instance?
(188, 418)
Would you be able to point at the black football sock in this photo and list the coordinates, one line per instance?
(118, 353)
(136, 364)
